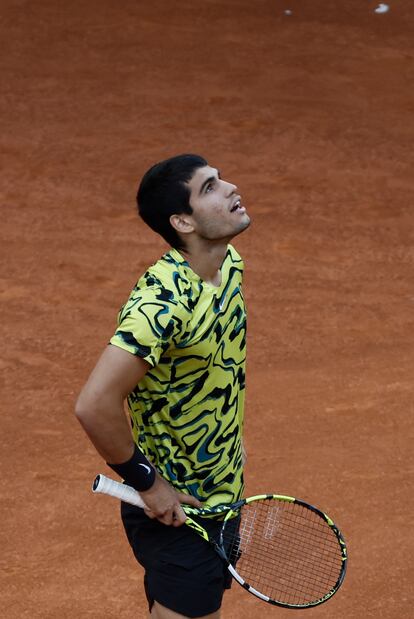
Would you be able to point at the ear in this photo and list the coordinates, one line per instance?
(182, 223)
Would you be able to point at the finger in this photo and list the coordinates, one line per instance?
(187, 499)
(179, 517)
(150, 514)
(167, 517)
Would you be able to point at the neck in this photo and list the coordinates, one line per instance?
(206, 261)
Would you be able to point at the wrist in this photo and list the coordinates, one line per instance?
(137, 472)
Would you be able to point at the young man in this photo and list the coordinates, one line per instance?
(178, 358)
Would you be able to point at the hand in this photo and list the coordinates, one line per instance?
(164, 503)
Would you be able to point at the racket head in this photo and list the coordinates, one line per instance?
(284, 550)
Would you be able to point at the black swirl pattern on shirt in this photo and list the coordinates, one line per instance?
(187, 412)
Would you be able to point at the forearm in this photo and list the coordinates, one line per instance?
(100, 410)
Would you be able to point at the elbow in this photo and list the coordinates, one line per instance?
(85, 410)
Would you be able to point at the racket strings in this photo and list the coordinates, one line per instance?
(284, 550)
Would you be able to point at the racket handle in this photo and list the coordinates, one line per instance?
(105, 485)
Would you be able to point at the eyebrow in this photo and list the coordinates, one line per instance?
(209, 180)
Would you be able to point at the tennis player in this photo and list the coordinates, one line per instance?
(178, 358)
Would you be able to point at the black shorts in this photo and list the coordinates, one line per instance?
(182, 571)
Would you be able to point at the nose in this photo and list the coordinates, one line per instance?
(230, 188)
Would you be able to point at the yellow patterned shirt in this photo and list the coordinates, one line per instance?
(187, 412)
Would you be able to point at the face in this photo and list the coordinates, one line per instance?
(218, 213)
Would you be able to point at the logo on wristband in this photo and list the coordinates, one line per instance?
(146, 467)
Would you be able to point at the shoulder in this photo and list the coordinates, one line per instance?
(234, 257)
(158, 283)
(169, 273)
(158, 293)
(233, 263)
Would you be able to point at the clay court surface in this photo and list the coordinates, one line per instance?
(311, 115)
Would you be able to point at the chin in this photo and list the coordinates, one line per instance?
(244, 225)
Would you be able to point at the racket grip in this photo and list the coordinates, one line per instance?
(105, 485)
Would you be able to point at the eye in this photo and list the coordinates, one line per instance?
(209, 187)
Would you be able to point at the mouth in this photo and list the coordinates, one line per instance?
(237, 206)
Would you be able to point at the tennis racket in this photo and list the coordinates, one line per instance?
(281, 549)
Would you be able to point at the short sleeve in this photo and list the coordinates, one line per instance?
(146, 323)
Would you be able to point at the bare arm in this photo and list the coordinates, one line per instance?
(244, 453)
(100, 410)
(100, 406)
